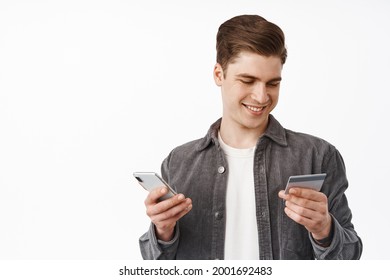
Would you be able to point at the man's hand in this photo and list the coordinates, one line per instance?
(165, 214)
(310, 209)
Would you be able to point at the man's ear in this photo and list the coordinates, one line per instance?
(218, 74)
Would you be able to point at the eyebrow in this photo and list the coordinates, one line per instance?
(249, 76)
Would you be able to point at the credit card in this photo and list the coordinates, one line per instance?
(311, 181)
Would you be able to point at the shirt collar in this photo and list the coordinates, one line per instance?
(276, 132)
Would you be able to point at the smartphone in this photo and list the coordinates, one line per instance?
(151, 180)
(312, 181)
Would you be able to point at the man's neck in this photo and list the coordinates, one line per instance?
(239, 137)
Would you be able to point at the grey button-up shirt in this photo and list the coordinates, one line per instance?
(199, 170)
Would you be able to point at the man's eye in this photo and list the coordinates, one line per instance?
(272, 85)
(247, 82)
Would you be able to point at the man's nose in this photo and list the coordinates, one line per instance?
(260, 94)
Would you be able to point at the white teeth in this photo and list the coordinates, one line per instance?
(255, 109)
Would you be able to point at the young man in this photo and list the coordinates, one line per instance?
(234, 178)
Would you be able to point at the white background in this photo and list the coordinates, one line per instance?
(91, 91)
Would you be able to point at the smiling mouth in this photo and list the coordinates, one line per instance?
(255, 109)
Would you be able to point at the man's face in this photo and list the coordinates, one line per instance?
(250, 90)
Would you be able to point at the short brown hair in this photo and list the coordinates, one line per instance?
(249, 33)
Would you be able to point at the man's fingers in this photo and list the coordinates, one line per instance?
(165, 205)
(297, 217)
(303, 211)
(155, 194)
(302, 202)
(313, 222)
(173, 214)
(166, 225)
(307, 194)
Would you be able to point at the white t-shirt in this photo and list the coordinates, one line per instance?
(241, 234)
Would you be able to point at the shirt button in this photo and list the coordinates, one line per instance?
(221, 169)
(218, 215)
(262, 214)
